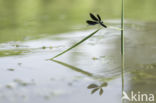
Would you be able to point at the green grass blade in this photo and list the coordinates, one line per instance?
(81, 41)
(122, 44)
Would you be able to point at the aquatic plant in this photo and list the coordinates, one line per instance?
(96, 87)
(122, 44)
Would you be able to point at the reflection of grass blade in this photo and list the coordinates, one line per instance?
(76, 44)
(99, 78)
(74, 68)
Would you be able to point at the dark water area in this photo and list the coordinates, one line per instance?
(31, 19)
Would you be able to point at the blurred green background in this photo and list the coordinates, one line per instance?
(29, 19)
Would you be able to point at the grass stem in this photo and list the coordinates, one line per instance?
(122, 44)
(73, 46)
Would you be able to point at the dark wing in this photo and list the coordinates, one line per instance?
(93, 17)
(103, 25)
(91, 22)
(99, 17)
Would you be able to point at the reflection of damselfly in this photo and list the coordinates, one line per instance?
(96, 20)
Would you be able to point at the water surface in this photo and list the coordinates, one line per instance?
(29, 75)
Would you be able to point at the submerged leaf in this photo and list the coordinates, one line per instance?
(104, 84)
(94, 90)
(11, 69)
(93, 17)
(101, 91)
(92, 86)
(91, 22)
(94, 58)
(44, 47)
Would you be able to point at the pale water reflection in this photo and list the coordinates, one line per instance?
(30, 76)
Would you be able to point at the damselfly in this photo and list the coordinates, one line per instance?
(96, 20)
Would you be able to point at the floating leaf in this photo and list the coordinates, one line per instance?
(104, 84)
(101, 91)
(94, 90)
(92, 86)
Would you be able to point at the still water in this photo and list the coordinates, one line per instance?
(30, 19)
(33, 31)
